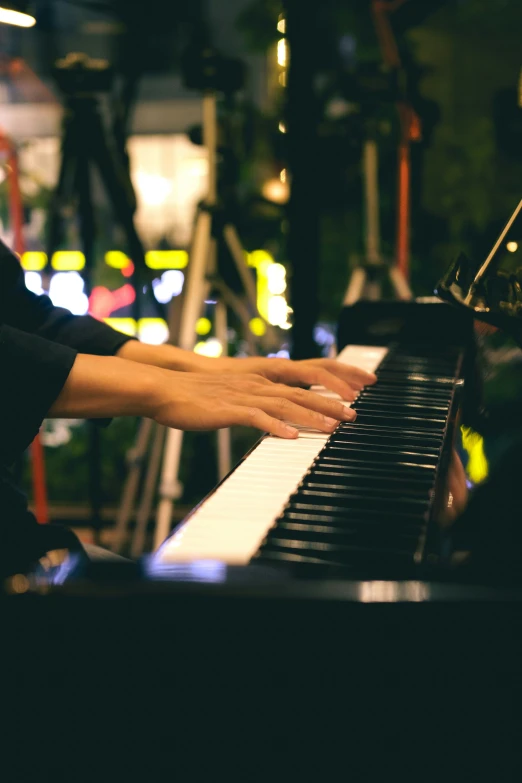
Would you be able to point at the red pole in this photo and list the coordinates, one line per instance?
(17, 219)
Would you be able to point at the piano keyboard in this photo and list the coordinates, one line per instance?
(357, 496)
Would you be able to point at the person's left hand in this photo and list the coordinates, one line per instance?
(343, 379)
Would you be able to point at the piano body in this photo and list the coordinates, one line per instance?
(303, 621)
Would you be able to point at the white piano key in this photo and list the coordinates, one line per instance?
(233, 522)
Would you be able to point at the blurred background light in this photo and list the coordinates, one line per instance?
(66, 289)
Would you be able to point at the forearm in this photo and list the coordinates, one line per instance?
(107, 386)
(166, 356)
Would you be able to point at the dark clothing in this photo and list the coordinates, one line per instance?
(38, 346)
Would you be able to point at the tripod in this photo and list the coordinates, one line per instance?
(367, 278)
(203, 281)
(84, 146)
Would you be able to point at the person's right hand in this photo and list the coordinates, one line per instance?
(199, 401)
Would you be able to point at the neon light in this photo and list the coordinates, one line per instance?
(153, 331)
(203, 326)
(68, 261)
(66, 290)
(33, 282)
(166, 259)
(123, 325)
(473, 443)
(257, 327)
(34, 261)
(169, 285)
(257, 257)
(117, 259)
(16, 18)
(103, 302)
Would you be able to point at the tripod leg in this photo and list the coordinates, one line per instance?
(194, 295)
(135, 458)
(223, 435)
(151, 478)
(356, 287)
(196, 290)
(69, 162)
(400, 284)
(239, 256)
(170, 489)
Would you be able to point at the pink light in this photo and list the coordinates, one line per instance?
(103, 302)
(128, 271)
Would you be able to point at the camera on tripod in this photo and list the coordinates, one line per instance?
(79, 74)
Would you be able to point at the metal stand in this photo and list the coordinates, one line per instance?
(203, 282)
(367, 279)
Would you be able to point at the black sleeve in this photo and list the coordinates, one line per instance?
(37, 315)
(34, 372)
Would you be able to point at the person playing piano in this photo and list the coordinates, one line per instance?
(54, 364)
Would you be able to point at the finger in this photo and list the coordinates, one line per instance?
(318, 376)
(308, 399)
(255, 417)
(283, 408)
(348, 372)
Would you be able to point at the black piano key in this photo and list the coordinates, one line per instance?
(337, 554)
(357, 499)
(315, 521)
(367, 479)
(365, 502)
(366, 425)
(331, 485)
(286, 534)
(365, 440)
(338, 515)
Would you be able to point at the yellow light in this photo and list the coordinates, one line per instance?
(166, 259)
(276, 275)
(33, 261)
(512, 247)
(212, 348)
(153, 331)
(276, 191)
(8, 16)
(203, 326)
(282, 79)
(282, 52)
(257, 257)
(123, 325)
(282, 127)
(258, 327)
(68, 261)
(263, 294)
(473, 443)
(281, 24)
(117, 259)
(282, 176)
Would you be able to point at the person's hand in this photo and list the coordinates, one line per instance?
(343, 379)
(206, 401)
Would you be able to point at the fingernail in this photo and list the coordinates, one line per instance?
(331, 422)
(350, 414)
(291, 431)
(371, 377)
